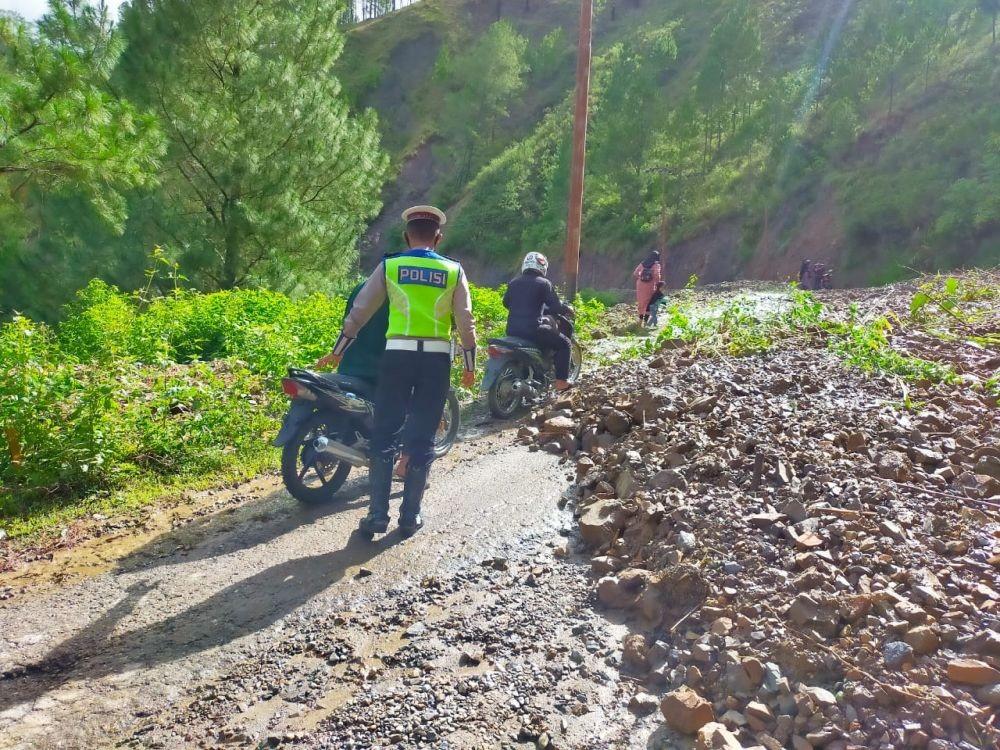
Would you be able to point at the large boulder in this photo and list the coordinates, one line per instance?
(602, 521)
(650, 404)
(622, 591)
(715, 736)
(667, 479)
(686, 711)
(617, 422)
(634, 654)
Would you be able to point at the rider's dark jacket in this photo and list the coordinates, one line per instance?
(362, 359)
(527, 297)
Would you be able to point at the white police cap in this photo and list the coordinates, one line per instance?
(428, 213)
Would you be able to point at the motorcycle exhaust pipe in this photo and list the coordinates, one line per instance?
(339, 450)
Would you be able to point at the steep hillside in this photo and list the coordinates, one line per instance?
(743, 135)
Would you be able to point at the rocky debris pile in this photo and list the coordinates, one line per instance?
(951, 321)
(808, 566)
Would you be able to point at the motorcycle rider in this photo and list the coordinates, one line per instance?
(425, 291)
(528, 297)
(362, 360)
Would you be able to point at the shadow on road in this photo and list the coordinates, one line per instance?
(258, 522)
(241, 609)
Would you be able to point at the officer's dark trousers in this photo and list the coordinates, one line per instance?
(414, 385)
(551, 340)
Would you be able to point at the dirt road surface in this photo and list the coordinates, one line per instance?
(129, 650)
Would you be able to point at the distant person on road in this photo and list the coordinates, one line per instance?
(647, 275)
(805, 271)
(654, 305)
(529, 297)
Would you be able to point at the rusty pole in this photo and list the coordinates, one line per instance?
(577, 169)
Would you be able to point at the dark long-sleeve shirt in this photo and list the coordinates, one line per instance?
(527, 298)
(363, 358)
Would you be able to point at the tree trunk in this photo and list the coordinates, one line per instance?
(231, 259)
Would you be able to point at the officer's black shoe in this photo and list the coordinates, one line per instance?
(380, 476)
(410, 525)
(413, 495)
(371, 525)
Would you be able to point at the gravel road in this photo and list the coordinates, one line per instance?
(86, 663)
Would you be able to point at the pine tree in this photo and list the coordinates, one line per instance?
(269, 177)
(61, 126)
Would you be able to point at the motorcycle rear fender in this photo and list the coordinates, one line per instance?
(493, 369)
(298, 413)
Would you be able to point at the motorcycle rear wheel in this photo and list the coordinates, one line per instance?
(504, 402)
(311, 479)
(575, 361)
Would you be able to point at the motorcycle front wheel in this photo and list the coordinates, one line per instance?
(447, 432)
(504, 400)
(309, 477)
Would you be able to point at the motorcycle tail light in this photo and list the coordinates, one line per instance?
(497, 351)
(290, 387)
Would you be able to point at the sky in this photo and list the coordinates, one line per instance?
(33, 9)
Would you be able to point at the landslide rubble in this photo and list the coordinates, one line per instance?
(805, 563)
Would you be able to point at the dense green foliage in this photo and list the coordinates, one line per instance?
(480, 83)
(61, 127)
(71, 151)
(126, 390)
(234, 150)
(268, 177)
(877, 121)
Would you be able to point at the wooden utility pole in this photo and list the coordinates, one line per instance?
(575, 218)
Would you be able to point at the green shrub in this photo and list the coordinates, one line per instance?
(491, 315)
(126, 390)
(605, 297)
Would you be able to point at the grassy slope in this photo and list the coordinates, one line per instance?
(834, 213)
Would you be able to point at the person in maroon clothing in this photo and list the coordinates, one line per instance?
(647, 276)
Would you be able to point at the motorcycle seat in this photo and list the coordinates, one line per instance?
(357, 386)
(514, 342)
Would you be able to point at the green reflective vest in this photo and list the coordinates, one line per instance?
(421, 288)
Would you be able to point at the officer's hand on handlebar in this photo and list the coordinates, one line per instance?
(468, 378)
(330, 360)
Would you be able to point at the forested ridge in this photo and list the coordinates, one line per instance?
(741, 135)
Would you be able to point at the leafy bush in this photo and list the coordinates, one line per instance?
(605, 297)
(126, 390)
(491, 315)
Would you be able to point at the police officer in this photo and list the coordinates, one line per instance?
(426, 291)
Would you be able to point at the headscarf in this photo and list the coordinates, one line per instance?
(652, 259)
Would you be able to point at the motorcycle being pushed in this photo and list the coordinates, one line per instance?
(519, 375)
(328, 429)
